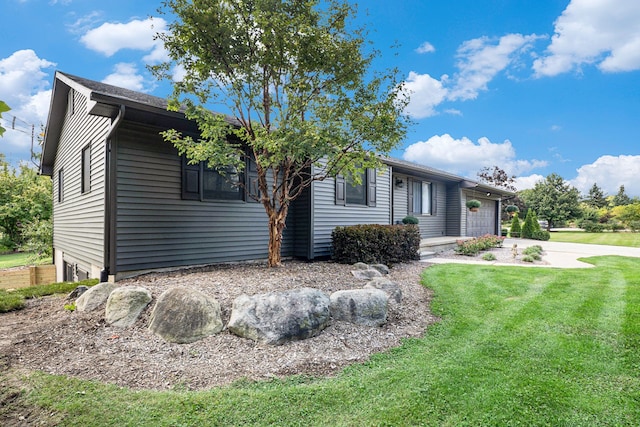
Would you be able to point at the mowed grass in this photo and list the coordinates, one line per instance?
(16, 259)
(606, 238)
(514, 346)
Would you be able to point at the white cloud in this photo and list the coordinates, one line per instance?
(426, 47)
(481, 59)
(425, 94)
(605, 33)
(126, 76)
(610, 172)
(84, 24)
(464, 157)
(109, 38)
(527, 182)
(25, 87)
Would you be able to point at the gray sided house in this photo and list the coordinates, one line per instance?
(125, 202)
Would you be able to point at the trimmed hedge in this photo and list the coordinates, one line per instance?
(374, 243)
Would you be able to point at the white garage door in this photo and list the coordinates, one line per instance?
(484, 221)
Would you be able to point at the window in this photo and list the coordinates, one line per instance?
(200, 182)
(85, 179)
(420, 197)
(356, 194)
(363, 194)
(60, 185)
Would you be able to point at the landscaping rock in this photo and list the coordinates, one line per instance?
(184, 315)
(95, 296)
(360, 306)
(383, 269)
(79, 290)
(278, 317)
(125, 305)
(386, 285)
(361, 266)
(367, 274)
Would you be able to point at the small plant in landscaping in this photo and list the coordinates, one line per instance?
(70, 307)
(489, 257)
(473, 246)
(528, 258)
(410, 220)
(533, 252)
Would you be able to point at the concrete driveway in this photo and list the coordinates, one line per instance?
(560, 254)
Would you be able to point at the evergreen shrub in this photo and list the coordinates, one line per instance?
(374, 243)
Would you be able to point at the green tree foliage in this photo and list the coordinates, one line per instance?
(298, 79)
(3, 109)
(621, 198)
(553, 199)
(529, 226)
(516, 228)
(596, 198)
(25, 198)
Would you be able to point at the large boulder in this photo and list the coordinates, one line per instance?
(367, 274)
(384, 284)
(95, 296)
(183, 315)
(360, 306)
(277, 317)
(125, 305)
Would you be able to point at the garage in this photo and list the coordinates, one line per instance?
(484, 220)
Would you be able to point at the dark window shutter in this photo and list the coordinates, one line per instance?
(372, 176)
(410, 199)
(251, 180)
(434, 198)
(341, 190)
(191, 179)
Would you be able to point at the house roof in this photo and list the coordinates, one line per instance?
(105, 100)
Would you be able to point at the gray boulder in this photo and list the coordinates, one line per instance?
(95, 296)
(79, 290)
(360, 266)
(278, 317)
(386, 285)
(360, 306)
(125, 305)
(383, 269)
(183, 315)
(367, 274)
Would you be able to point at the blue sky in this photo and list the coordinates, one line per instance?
(534, 87)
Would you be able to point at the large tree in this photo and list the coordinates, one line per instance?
(297, 78)
(553, 199)
(621, 198)
(25, 197)
(497, 177)
(596, 198)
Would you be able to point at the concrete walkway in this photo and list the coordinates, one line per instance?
(557, 254)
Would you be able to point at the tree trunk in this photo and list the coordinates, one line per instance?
(277, 221)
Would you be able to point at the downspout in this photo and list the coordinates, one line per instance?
(108, 191)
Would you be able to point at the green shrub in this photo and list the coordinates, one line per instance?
(373, 243)
(634, 226)
(504, 232)
(489, 257)
(541, 235)
(528, 258)
(516, 229)
(529, 225)
(531, 250)
(473, 246)
(410, 220)
(592, 227)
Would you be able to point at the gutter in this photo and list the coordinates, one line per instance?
(108, 194)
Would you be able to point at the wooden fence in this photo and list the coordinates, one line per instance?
(27, 276)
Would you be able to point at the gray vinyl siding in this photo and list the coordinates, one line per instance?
(155, 228)
(79, 218)
(400, 199)
(435, 225)
(456, 222)
(327, 215)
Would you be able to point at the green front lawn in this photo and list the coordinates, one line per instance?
(606, 238)
(515, 346)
